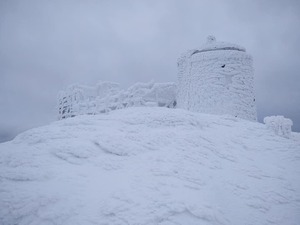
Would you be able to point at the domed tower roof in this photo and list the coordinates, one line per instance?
(213, 45)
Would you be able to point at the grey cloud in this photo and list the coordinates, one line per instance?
(47, 45)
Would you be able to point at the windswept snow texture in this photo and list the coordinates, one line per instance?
(107, 96)
(280, 125)
(143, 166)
(217, 78)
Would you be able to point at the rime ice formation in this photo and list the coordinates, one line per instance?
(280, 125)
(107, 96)
(217, 78)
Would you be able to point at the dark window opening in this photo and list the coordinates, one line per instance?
(174, 103)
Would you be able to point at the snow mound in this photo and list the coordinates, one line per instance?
(280, 125)
(150, 166)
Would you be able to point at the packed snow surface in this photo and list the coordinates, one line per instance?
(150, 166)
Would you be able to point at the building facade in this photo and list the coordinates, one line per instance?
(217, 78)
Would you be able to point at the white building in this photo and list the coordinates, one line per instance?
(217, 78)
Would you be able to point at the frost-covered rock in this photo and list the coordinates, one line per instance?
(217, 78)
(280, 125)
(107, 96)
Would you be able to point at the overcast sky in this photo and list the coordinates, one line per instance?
(45, 45)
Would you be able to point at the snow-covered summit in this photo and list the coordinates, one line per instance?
(143, 166)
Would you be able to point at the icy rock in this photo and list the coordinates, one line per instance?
(280, 125)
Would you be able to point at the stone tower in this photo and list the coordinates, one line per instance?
(217, 78)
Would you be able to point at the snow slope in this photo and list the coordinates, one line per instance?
(150, 166)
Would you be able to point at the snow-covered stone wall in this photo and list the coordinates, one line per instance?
(107, 96)
(217, 78)
(280, 125)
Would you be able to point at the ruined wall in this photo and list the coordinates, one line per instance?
(107, 96)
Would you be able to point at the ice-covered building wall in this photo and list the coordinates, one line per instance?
(107, 96)
(217, 78)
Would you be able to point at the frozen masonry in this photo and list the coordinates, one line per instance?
(217, 78)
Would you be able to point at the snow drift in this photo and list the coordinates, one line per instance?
(150, 166)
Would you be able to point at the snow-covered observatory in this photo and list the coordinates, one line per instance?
(217, 78)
